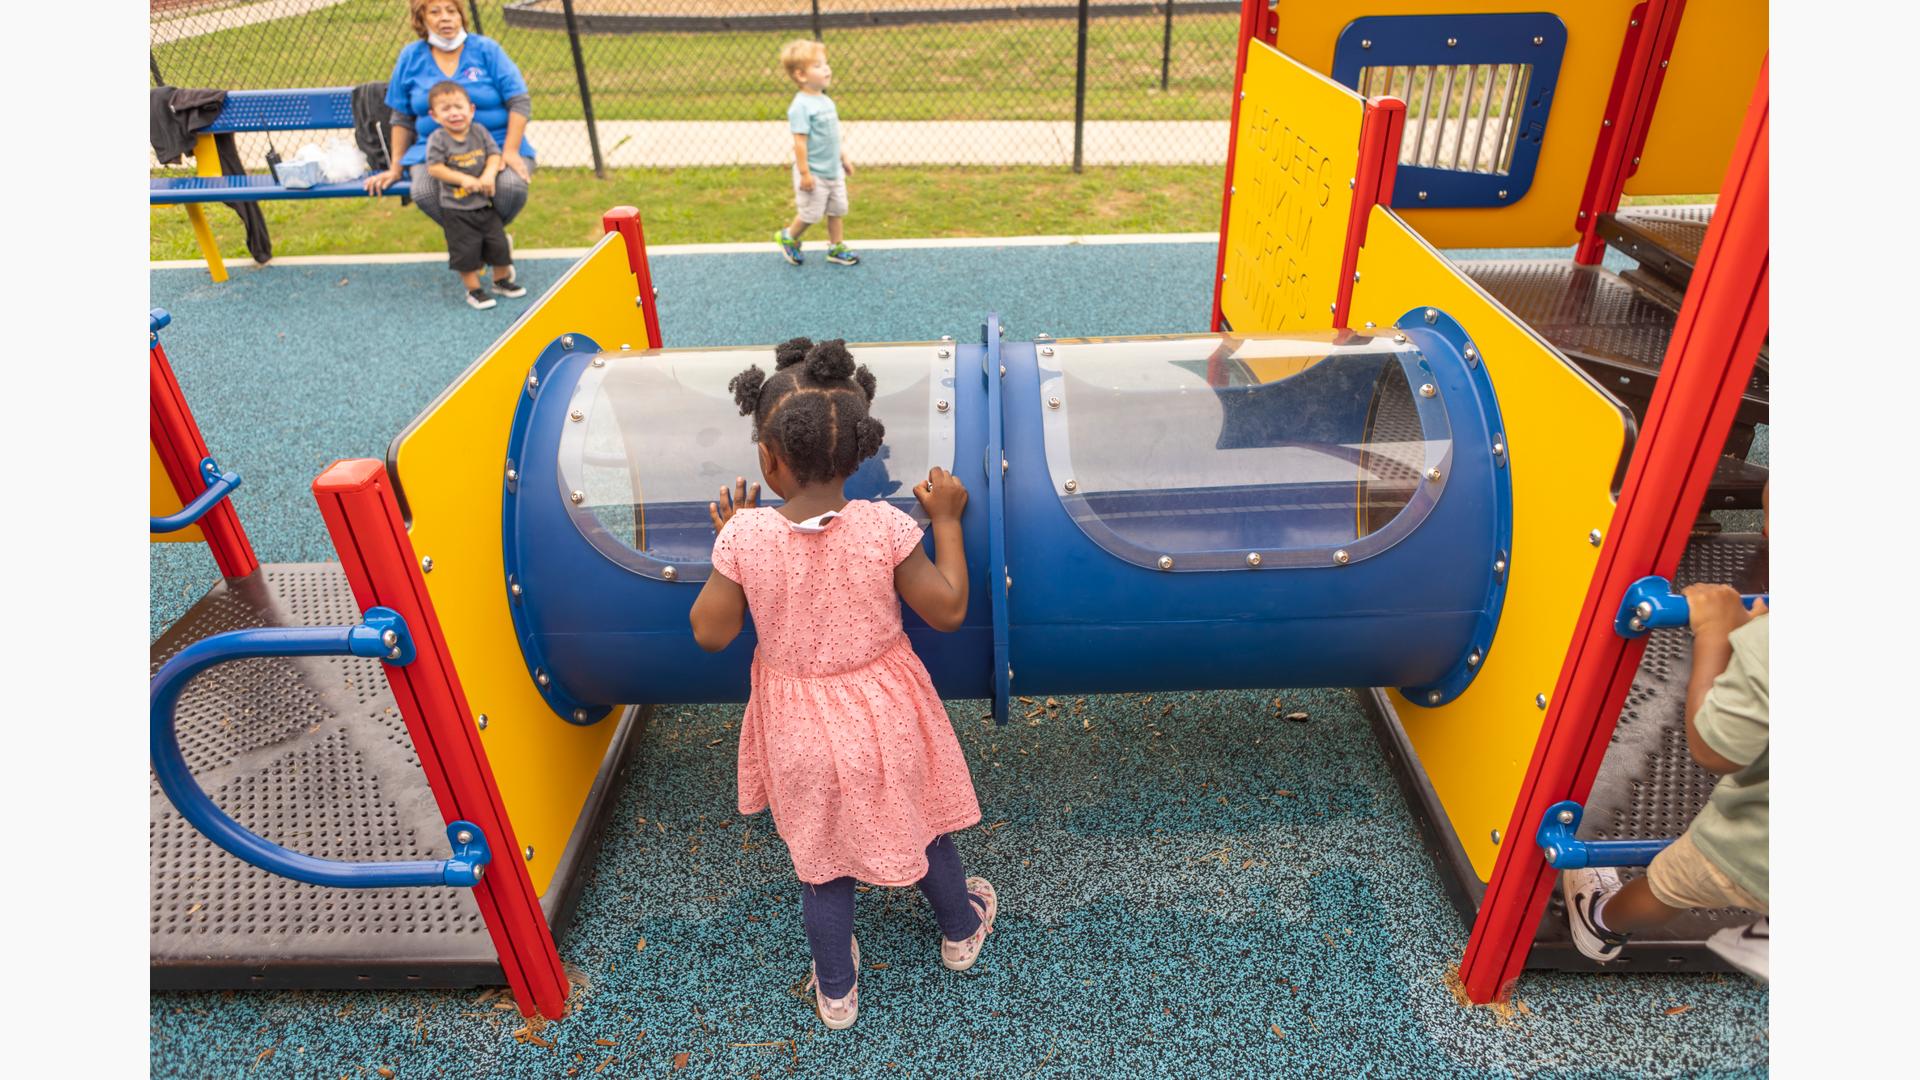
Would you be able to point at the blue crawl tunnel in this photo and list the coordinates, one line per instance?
(1180, 512)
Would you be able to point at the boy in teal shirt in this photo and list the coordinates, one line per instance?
(819, 171)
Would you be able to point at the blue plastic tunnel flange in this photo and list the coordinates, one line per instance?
(994, 372)
(1460, 375)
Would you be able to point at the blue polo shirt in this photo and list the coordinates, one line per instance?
(490, 79)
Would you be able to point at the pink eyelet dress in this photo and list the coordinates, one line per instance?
(844, 736)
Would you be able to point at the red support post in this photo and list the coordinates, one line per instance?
(625, 220)
(363, 517)
(1380, 133)
(1652, 28)
(1721, 325)
(181, 447)
(1258, 21)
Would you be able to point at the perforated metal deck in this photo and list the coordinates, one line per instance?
(1648, 787)
(1664, 240)
(312, 754)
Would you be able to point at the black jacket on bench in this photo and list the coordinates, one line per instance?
(174, 117)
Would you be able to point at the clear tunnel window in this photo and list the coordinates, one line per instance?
(1211, 452)
(660, 436)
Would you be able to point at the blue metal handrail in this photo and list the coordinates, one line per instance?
(1564, 851)
(219, 486)
(382, 635)
(1651, 604)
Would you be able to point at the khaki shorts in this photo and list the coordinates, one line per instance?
(1683, 877)
(828, 198)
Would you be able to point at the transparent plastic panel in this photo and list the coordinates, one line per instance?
(658, 435)
(1211, 452)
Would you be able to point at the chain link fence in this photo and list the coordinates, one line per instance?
(673, 83)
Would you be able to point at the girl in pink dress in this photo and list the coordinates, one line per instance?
(844, 737)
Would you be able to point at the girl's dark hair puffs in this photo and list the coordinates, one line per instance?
(813, 408)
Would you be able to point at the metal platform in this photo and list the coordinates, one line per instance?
(312, 754)
(1664, 240)
(1648, 787)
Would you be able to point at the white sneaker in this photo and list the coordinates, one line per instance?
(837, 1013)
(1745, 947)
(960, 955)
(1583, 891)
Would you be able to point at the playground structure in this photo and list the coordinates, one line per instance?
(1378, 471)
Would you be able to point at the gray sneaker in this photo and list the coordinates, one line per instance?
(1745, 947)
(1583, 891)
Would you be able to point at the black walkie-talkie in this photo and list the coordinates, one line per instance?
(273, 161)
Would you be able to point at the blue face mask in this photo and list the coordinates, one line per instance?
(451, 44)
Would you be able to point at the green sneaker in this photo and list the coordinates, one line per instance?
(839, 255)
(789, 248)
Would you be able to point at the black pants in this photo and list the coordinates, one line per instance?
(475, 238)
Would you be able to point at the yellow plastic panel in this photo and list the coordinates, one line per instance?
(1703, 99)
(451, 465)
(1298, 147)
(1545, 216)
(1564, 438)
(163, 500)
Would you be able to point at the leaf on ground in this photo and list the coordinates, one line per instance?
(639, 945)
(606, 1042)
(1298, 717)
(263, 1055)
(879, 966)
(680, 1061)
(1024, 700)
(385, 1073)
(196, 907)
(1678, 1009)
(1052, 703)
(1277, 1033)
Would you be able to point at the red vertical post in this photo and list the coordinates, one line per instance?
(1380, 133)
(363, 518)
(178, 440)
(625, 220)
(1652, 28)
(1709, 360)
(1258, 21)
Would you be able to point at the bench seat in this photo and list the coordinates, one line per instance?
(185, 190)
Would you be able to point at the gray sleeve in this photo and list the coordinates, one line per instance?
(522, 104)
(437, 148)
(405, 120)
(492, 147)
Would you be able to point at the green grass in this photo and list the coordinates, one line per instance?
(1016, 70)
(687, 206)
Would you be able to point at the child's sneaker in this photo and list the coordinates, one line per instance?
(1745, 947)
(789, 248)
(478, 299)
(1584, 890)
(840, 256)
(837, 1013)
(510, 288)
(960, 955)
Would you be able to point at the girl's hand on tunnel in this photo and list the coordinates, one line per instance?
(943, 496)
(741, 497)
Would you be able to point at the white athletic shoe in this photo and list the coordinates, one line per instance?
(1583, 891)
(1745, 947)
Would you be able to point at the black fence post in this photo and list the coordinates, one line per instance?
(153, 65)
(1079, 91)
(1166, 45)
(474, 6)
(816, 21)
(586, 97)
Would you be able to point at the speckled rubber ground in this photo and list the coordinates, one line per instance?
(1190, 885)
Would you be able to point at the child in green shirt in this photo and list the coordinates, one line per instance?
(819, 170)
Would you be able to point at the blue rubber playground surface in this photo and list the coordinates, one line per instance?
(1190, 885)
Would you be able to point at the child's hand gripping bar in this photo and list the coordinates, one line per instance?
(1651, 604)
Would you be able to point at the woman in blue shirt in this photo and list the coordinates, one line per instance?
(446, 52)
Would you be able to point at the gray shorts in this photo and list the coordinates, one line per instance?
(828, 198)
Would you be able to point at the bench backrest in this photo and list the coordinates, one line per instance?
(285, 110)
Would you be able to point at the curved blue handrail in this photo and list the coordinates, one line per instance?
(382, 635)
(1651, 604)
(1564, 851)
(219, 486)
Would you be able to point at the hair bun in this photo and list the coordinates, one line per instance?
(830, 361)
(867, 382)
(869, 433)
(791, 352)
(746, 388)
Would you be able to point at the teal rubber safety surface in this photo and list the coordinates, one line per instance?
(1191, 884)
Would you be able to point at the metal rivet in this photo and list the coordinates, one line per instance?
(1470, 353)
(1539, 701)
(1593, 537)
(1428, 390)
(1342, 557)
(1399, 339)
(566, 341)
(529, 852)
(1003, 465)
(541, 677)
(944, 353)
(576, 416)
(1606, 123)
(1499, 448)
(1502, 193)
(1452, 41)
(480, 721)
(1009, 581)
(577, 496)
(1663, 63)
(1636, 161)
(624, 347)
(1253, 558)
(1356, 275)
(1423, 196)
(1633, 22)
(426, 564)
(601, 361)
(1496, 838)
(1243, 95)
(394, 655)
(1003, 371)
(946, 337)
(1333, 308)
(513, 475)
(515, 589)
(1473, 658)
(579, 716)
(479, 872)
(1433, 472)
(464, 836)
(1366, 43)
(1053, 403)
(942, 405)
(1566, 817)
(1223, 277)
(1166, 562)
(1499, 566)
(1431, 316)
(1350, 183)
(1370, 324)
(1644, 609)
(1072, 486)
(1047, 350)
(533, 382)
(669, 573)
(389, 638)
(1538, 40)
(1583, 215)
(1433, 697)
(1231, 189)
(1637, 623)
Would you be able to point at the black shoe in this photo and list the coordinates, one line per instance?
(510, 288)
(478, 299)
(1583, 891)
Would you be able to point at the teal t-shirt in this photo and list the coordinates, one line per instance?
(814, 116)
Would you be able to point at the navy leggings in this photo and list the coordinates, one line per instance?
(827, 911)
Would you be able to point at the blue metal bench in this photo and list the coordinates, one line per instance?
(257, 110)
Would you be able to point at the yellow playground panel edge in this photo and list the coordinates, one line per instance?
(163, 501)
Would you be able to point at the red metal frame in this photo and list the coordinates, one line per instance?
(1380, 133)
(1651, 31)
(1259, 20)
(363, 517)
(181, 448)
(625, 220)
(1722, 323)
